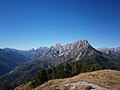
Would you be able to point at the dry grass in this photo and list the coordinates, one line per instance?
(24, 87)
(106, 78)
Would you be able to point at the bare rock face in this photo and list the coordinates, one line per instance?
(76, 45)
(86, 85)
(59, 50)
(55, 51)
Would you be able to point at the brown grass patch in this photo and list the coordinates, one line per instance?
(106, 78)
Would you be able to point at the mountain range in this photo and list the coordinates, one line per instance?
(18, 66)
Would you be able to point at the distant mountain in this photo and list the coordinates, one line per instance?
(9, 59)
(76, 53)
(34, 53)
(115, 52)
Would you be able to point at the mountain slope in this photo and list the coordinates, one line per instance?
(9, 60)
(107, 79)
(73, 67)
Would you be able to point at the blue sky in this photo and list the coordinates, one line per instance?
(26, 24)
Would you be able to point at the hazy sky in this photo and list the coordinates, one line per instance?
(26, 24)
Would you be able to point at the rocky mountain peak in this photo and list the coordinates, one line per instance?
(58, 46)
(59, 50)
(77, 45)
(81, 41)
(85, 42)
